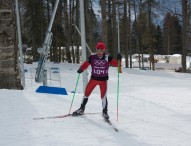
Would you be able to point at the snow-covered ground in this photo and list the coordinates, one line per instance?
(154, 110)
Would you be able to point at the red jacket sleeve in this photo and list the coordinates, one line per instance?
(85, 65)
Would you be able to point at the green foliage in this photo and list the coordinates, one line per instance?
(144, 34)
(35, 23)
(172, 34)
(159, 41)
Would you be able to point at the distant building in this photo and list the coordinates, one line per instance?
(175, 59)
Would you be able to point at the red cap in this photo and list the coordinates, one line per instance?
(101, 46)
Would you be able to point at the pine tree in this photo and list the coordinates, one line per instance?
(172, 35)
(35, 24)
(159, 41)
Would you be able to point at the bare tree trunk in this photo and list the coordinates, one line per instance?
(136, 34)
(109, 28)
(71, 4)
(168, 43)
(9, 67)
(77, 38)
(140, 42)
(185, 27)
(114, 30)
(104, 21)
(129, 40)
(125, 24)
(67, 31)
(151, 50)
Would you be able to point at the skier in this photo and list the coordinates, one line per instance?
(99, 62)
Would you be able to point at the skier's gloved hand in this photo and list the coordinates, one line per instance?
(119, 57)
(79, 70)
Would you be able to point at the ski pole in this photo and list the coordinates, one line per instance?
(118, 88)
(118, 36)
(74, 93)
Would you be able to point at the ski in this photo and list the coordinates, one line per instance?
(53, 117)
(69, 115)
(63, 116)
(111, 124)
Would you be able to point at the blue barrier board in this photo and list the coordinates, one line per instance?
(51, 90)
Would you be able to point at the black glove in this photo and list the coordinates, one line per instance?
(119, 57)
(79, 70)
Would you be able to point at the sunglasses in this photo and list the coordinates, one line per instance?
(100, 50)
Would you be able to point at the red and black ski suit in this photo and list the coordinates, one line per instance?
(99, 75)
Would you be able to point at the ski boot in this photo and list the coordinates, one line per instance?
(79, 112)
(105, 114)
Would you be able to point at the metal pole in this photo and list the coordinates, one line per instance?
(51, 21)
(20, 45)
(83, 42)
(39, 76)
(45, 78)
(53, 15)
(59, 77)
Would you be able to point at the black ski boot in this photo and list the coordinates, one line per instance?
(104, 105)
(105, 114)
(81, 110)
